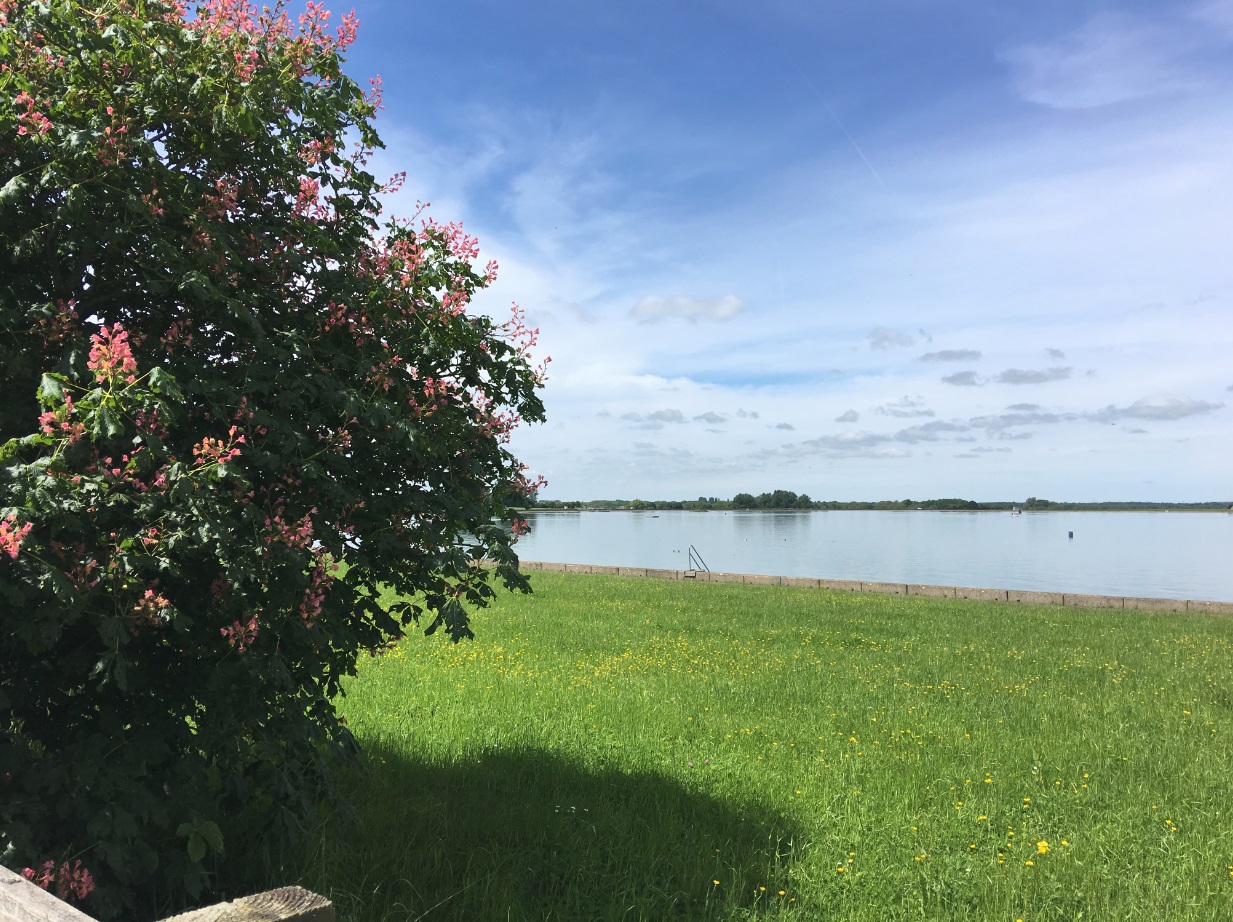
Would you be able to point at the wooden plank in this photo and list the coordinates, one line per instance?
(286, 904)
(22, 901)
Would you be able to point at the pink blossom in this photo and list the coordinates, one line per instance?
(151, 609)
(214, 451)
(71, 882)
(11, 536)
(318, 583)
(294, 535)
(43, 877)
(31, 120)
(111, 356)
(241, 635)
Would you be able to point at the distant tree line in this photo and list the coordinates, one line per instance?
(786, 499)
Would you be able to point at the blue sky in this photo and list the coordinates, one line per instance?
(858, 250)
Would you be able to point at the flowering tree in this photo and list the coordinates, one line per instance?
(222, 377)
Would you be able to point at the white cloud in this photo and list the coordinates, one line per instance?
(951, 355)
(1159, 408)
(928, 432)
(883, 338)
(999, 422)
(1037, 376)
(651, 308)
(1017, 234)
(963, 379)
(1217, 14)
(1111, 58)
(905, 408)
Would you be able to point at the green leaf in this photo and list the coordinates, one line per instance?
(12, 190)
(107, 424)
(212, 834)
(51, 388)
(196, 847)
(163, 383)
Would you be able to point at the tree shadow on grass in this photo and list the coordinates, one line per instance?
(526, 835)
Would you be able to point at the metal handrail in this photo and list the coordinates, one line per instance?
(695, 557)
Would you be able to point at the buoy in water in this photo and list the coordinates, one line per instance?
(1070, 534)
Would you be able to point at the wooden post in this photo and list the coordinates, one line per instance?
(22, 901)
(287, 904)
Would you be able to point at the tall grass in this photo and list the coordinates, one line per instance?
(640, 749)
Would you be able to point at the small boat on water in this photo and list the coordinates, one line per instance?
(1015, 510)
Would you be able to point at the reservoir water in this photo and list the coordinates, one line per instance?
(1176, 555)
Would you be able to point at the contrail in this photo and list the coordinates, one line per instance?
(856, 147)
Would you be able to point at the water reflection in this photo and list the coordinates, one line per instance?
(1175, 555)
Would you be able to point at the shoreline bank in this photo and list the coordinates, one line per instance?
(1009, 596)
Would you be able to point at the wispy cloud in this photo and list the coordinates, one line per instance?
(962, 379)
(928, 432)
(653, 420)
(1217, 14)
(1158, 408)
(1111, 58)
(849, 445)
(1002, 421)
(1033, 376)
(951, 355)
(651, 309)
(905, 408)
(885, 338)
(1025, 229)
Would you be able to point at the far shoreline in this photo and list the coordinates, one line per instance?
(1057, 509)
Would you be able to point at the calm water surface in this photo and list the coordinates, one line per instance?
(1181, 555)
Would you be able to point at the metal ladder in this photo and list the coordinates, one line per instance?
(696, 563)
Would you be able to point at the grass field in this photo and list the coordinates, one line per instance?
(640, 749)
